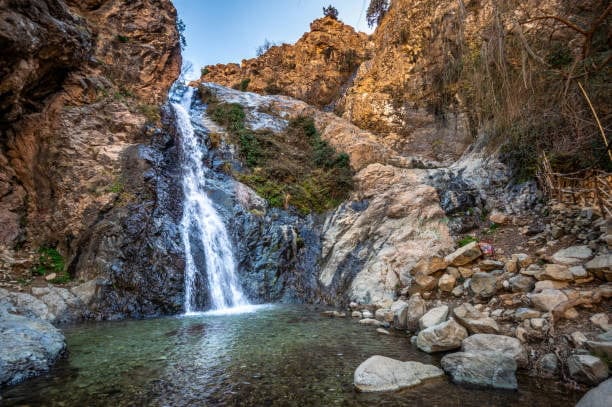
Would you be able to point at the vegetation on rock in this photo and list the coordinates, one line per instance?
(330, 11)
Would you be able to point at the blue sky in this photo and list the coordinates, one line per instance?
(231, 30)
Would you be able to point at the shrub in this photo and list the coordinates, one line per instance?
(263, 48)
(466, 240)
(376, 11)
(204, 71)
(122, 38)
(51, 261)
(330, 11)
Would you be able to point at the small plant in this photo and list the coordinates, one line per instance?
(466, 240)
(243, 85)
(122, 38)
(51, 261)
(151, 112)
(204, 71)
(330, 11)
(116, 187)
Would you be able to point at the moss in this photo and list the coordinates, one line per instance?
(466, 240)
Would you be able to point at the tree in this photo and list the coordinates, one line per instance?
(180, 26)
(262, 49)
(376, 11)
(330, 11)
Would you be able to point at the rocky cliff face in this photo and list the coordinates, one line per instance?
(81, 84)
(314, 69)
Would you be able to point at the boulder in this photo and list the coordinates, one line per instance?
(547, 299)
(429, 266)
(572, 255)
(333, 314)
(464, 255)
(474, 321)
(600, 348)
(384, 315)
(556, 272)
(578, 339)
(548, 365)
(29, 347)
(416, 309)
(587, 369)
(379, 373)
(600, 396)
(447, 282)
(433, 317)
(483, 285)
(484, 369)
(400, 312)
(367, 314)
(442, 337)
(422, 282)
(601, 266)
(521, 283)
(501, 344)
(371, 321)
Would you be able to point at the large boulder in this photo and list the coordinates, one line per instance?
(442, 337)
(587, 369)
(485, 369)
(380, 373)
(500, 344)
(572, 255)
(475, 321)
(28, 347)
(433, 317)
(600, 396)
(547, 299)
(483, 285)
(464, 255)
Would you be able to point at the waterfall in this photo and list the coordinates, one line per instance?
(201, 227)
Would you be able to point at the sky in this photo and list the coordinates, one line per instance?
(231, 30)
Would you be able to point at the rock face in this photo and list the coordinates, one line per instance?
(82, 165)
(313, 69)
(486, 369)
(29, 347)
(442, 337)
(380, 373)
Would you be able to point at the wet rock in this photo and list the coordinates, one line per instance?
(501, 344)
(547, 299)
(442, 337)
(484, 369)
(587, 369)
(379, 373)
(333, 314)
(600, 396)
(382, 331)
(601, 266)
(29, 347)
(548, 365)
(572, 255)
(417, 307)
(464, 255)
(400, 314)
(521, 284)
(483, 285)
(475, 321)
(356, 314)
(371, 321)
(433, 317)
(384, 314)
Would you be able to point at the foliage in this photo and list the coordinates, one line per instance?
(330, 11)
(296, 168)
(263, 48)
(151, 112)
(122, 38)
(242, 85)
(180, 27)
(465, 240)
(51, 261)
(376, 11)
(204, 71)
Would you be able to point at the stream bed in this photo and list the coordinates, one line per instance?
(276, 356)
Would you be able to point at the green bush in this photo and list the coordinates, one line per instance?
(51, 261)
(466, 240)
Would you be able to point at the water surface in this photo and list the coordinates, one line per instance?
(276, 356)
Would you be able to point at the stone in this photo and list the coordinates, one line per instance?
(548, 365)
(511, 266)
(442, 337)
(547, 299)
(371, 321)
(333, 314)
(526, 313)
(538, 324)
(400, 313)
(578, 338)
(578, 272)
(384, 315)
(498, 217)
(457, 291)
(447, 282)
(572, 255)
(506, 345)
(483, 285)
(466, 272)
(532, 270)
(549, 284)
(367, 314)
(474, 321)
(50, 277)
(382, 331)
(601, 320)
(433, 317)
(453, 271)
(429, 266)
(523, 259)
(601, 266)
(422, 283)
(29, 347)
(600, 396)
(490, 265)
(380, 373)
(521, 283)
(356, 314)
(571, 313)
(606, 336)
(587, 369)
(556, 272)
(416, 309)
(464, 255)
(600, 348)
(484, 369)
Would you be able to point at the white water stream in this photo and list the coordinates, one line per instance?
(202, 225)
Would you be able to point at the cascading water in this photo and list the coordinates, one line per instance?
(201, 225)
